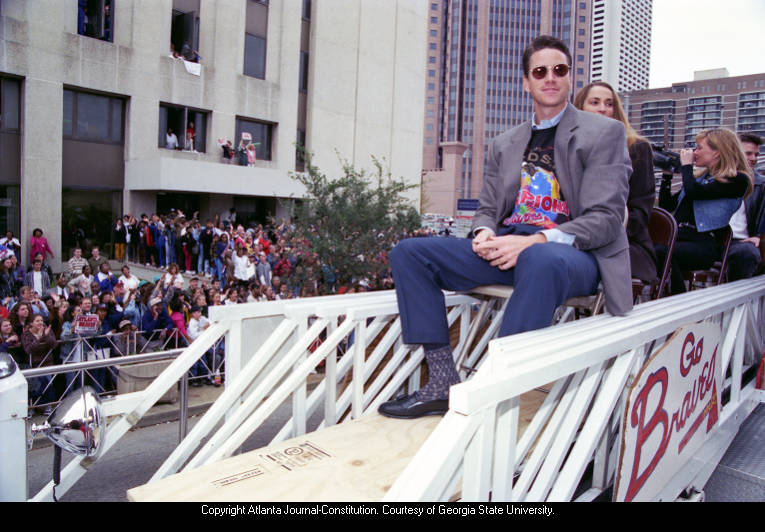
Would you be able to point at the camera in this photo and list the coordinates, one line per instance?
(665, 159)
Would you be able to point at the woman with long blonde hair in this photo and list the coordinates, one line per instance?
(599, 97)
(710, 196)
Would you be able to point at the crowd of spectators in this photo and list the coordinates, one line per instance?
(88, 311)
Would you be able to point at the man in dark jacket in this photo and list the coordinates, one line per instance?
(155, 318)
(748, 223)
(205, 242)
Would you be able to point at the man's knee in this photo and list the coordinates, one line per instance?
(743, 259)
(402, 251)
(541, 259)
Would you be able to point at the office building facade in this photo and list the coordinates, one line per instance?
(621, 43)
(99, 118)
(672, 116)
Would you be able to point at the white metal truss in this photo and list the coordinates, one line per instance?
(357, 339)
(591, 362)
(261, 375)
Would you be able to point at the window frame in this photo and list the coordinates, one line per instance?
(270, 128)
(102, 4)
(111, 99)
(162, 135)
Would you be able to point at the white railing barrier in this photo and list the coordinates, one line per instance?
(281, 364)
(272, 349)
(130, 408)
(269, 356)
(591, 362)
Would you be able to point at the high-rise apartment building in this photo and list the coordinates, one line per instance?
(621, 43)
(474, 82)
(98, 118)
(672, 116)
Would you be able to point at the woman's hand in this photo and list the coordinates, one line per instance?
(686, 156)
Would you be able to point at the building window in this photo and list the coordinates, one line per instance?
(95, 19)
(10, 105)
(93, 117)
(303, 71)
(10, 154)
(254, 56)
(306, 9)
(299, 151)
(85, 213)
(182, 128)
(255, 34)
(258, 133)
(184, 32)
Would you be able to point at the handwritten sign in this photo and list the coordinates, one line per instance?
(672, 407)
(86, 324)
(246, 136)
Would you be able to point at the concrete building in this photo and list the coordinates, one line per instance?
(621, 43)
(474, 82)
(89, 90)
(672, 116)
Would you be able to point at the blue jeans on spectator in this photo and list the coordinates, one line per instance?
(162, 251)
(220, 272)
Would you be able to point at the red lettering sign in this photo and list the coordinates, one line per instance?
(664, 411)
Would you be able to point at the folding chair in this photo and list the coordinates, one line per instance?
(718, 273)
(593, 305)
(662, 227)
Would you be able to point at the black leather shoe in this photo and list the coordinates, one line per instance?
(409, 407)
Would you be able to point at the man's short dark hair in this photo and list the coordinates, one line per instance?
(749, 137)
(540, 43)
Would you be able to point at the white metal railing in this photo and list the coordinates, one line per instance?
(375, 365)
(272, 349)
(476, 446)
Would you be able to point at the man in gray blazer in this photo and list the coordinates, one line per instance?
(550, 223)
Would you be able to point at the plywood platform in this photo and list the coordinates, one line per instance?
(355, 461)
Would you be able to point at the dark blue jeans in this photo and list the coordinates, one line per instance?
(544, 277)
(743, 259)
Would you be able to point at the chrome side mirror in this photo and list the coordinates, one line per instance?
(76, 424)
(7, 365)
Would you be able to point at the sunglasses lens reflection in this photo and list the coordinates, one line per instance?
(559, 71)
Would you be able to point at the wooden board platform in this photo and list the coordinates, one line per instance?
(355, 461)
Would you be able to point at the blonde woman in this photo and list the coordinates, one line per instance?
(708, 199)
(599, 97)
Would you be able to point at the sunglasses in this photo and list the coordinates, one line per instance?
(559, 71)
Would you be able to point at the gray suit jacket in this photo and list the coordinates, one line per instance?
(593, 167)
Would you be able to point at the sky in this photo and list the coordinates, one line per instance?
(691, 35)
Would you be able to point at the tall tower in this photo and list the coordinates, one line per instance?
(621, 43)
(474, 81)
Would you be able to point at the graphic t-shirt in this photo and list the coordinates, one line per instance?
(540, 201)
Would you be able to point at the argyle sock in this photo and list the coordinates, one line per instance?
(441, 373)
